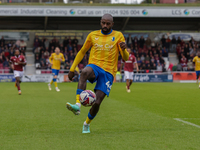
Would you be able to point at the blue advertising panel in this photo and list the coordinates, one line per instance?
(152, 78)
(7, 78)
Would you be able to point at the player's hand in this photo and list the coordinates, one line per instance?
(71, 75)
(60, 60)
(19, 62)
(122, 45)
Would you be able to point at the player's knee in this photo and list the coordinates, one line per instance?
(84, 73)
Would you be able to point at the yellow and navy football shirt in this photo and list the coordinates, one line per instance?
(55, 60)
(196, 60)
(104, 50)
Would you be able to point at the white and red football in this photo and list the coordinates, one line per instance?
(87, 98)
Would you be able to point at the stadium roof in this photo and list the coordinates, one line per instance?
(88, 18)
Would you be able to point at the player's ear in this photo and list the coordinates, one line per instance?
(112, 24)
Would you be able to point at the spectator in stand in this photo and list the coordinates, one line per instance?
(153, 45)
(129, 40)
(182, 44)
(193, 51)
(1, 59)
(142, 53)
(178, 50)
(148, 42)
(12, 53)
(2, 41)
(142, 58)
(85, 60)
(6, 63)
(161, 60)
(164, 52)
(23, 45)
(190, 65)
(179, 67)
(53, 42)
(69, 47)
(170, 67)
(36, 38)
(163, 41)
(43, 62)
(46, 54)
(71, 57)
(57, 44)
(168, 41)
(147, 58)
(7, 53)
(179, 40)
(67, 67)
(65, 42)
(184, 63)
(135, 42)
(36, 44)
(17, 43)
(173, 42)
(192, 42)
(75, 41)
(159, 67)
(143, 68)
(46, 43)
(141, 42)
(69, 41)
(37, 62)
(187, 51)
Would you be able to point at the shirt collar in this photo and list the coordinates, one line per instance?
(107, 33)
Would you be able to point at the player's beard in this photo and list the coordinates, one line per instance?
(105, 30)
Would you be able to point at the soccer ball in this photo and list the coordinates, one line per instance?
(87, 98)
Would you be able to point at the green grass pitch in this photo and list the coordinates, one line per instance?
(140, 120)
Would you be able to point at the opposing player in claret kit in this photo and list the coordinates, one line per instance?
(17, 63)
(105, 44)
(128, 69)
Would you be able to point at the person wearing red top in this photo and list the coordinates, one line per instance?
(17, 62)
(128, 69)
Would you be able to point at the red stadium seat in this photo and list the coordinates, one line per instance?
(1, 65)
(42, 72)
(61, 71)
(6, 68)
(6, 71)
(1, 71)
(49, 71)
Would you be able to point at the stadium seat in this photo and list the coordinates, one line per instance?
(6, 71)
(61, 71)
(49, 71)
(42, 72)
(1, 71)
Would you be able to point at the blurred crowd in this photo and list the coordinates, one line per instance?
(186, 51)
(150, 56)
(43, 48)
(7, 50)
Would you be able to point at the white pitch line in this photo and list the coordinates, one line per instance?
(186, 122)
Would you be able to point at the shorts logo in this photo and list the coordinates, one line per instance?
(108, 86)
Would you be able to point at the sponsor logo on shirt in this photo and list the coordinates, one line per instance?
(113, 38)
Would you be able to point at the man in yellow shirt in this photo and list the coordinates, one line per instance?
(105, 44)
(55, 59)
(196, 61)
